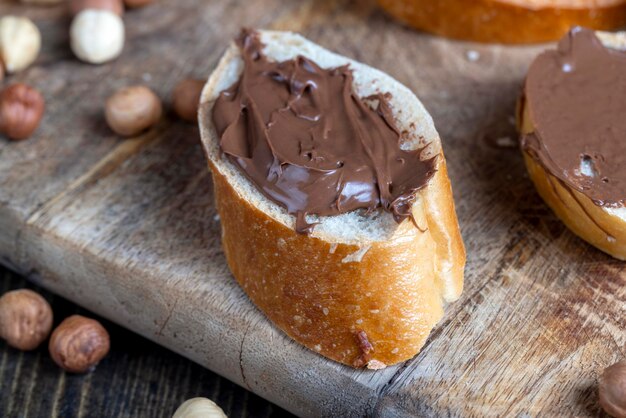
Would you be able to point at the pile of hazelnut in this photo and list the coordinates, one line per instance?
(21, 106)
(77, 344)
(96, 36)
(132, 110)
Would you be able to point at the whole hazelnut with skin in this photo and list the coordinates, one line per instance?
(25, 319)
(137, 3)
(199, 408)
(20, 41)
(613, 390)
(97, 36)
(78, 344)
(115, 6)
(21, 109)
(132, 110)
(186, 99)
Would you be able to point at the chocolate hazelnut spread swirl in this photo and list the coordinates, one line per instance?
(303, 137)
(577, 99)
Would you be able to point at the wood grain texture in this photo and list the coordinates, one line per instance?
(128, 230)
(137, 378)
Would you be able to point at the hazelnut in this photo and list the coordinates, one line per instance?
(25, 319)
(115, 6)
(137, 3)
(186, 99)
(199, 408)
(613, 390)
(132, 110)
(21, 109)
(97, 36)
(43, 2)
(20, 42)
(78, 344)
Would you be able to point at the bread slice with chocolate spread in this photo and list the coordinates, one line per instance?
(363, 288)
(574, 137)
(507, 21)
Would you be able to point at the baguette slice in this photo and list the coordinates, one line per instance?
(361, 289)
(586, 219)
(507, 21)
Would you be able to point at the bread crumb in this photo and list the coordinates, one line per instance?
(318, 348)
(325, 311)
(395, 350)
(359, 321)
(376, 365)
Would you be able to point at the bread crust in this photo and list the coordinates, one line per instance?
(363, 303)
(589, 221)
(506, 21)
(308, 289)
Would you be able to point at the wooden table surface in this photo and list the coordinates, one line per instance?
(137, 379)
(127, 228)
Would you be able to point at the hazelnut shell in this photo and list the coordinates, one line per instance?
(186, 99)
(25, 319)
(78, 344)
(613, 390)
(131, 110)
(21, 110)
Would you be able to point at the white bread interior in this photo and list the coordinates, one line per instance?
(576, 213)
(353, 232)
(349, 227)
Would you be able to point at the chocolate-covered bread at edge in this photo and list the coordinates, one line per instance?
(573, 128)
(358, 270)
(507, 21)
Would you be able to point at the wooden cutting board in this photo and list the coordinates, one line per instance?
(127, 228)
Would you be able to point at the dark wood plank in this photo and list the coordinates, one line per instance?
(137, 378)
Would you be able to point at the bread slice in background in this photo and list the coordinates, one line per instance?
(507, 21)
(586, 219)
(356, 280)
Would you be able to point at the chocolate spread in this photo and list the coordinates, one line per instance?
(310, 144)
(577, 101)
